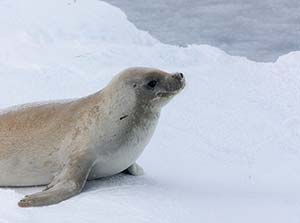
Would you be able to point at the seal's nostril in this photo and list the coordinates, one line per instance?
(179, 76)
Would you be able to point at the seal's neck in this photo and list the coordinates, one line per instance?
(122, 104)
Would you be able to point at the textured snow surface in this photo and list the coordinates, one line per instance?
(226, 149)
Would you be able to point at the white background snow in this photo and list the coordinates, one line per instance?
(226, 149)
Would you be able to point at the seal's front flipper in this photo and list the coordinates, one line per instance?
(135, 170)
(56, 194)
(67, 184)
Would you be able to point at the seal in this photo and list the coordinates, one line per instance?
(62, 144)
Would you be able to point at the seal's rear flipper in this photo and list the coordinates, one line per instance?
(135, 170)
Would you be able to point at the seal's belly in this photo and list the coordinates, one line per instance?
(115, 163)
(119, 157)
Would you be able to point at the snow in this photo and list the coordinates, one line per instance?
(226, 149)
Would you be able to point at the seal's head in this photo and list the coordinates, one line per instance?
(152, 87)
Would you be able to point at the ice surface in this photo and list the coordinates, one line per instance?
(259, 30)
(226, 149)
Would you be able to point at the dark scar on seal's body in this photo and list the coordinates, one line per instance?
(125, 116)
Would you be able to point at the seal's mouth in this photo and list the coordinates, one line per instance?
(166, 94)
(169, 93)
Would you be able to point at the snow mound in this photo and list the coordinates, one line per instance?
(226, 149)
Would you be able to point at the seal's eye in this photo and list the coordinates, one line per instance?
(152, 83)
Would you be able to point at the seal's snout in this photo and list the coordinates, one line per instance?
(179, 77)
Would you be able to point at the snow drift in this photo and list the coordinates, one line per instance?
(226, 149)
